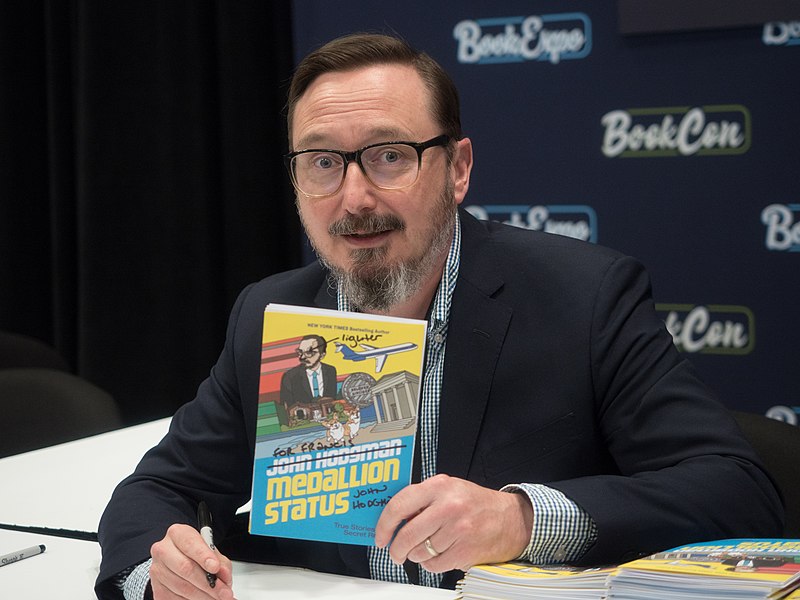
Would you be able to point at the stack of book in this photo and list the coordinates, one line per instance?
(751, 568)
(512, 581)
(720, 570)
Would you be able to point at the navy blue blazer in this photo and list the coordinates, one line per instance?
(558, 370)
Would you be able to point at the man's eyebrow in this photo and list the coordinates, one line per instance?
(387, 134)
(381, 134)
(310, 141)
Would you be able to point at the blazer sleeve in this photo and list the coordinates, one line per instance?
(685, 471)
(206, 454)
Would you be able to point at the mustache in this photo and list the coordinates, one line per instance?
(366, 224)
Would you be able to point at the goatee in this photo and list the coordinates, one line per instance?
(374, 283)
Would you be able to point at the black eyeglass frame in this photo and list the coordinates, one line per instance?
(355, 156)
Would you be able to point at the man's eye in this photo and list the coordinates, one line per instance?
(323, 162)
(392, 156)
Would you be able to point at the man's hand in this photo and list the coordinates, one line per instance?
(464, 524)
(180, 563)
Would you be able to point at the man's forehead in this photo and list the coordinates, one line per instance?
(387, 102)
(308, 343)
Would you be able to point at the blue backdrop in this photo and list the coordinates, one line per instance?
(682, 149)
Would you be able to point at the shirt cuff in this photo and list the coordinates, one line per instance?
(137, 582)
(562, 531)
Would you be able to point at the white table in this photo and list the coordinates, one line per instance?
(68, 486)
(68, 568)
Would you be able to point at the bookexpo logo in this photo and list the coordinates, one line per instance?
(677, 131)
(711, 329)
(783, 227)
(572, 220)
(778, 33)
(516, 39)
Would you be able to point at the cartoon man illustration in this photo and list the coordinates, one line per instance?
(303, 386)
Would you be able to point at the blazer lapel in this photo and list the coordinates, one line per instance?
(475, 336)
(326, 296)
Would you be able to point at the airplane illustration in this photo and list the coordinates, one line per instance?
(379, 354)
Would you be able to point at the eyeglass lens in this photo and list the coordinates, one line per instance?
(389, 166)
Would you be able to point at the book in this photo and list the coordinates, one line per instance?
(519, 581)
(721, 569)
(337, 420)
(718, 570)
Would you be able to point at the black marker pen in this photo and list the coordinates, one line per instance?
(204, 522)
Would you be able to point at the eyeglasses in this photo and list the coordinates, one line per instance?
(387, 166)
(306, 353)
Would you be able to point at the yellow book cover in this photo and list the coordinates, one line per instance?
(337, 418)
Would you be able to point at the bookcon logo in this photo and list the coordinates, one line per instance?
(781, 33)
(676, 131)
(787, 414)
(572, 220)
(711, 329)
(783, 227)
(517, 39)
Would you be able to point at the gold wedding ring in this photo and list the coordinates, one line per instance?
(429, 547)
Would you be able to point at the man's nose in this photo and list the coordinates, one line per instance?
(358, 194)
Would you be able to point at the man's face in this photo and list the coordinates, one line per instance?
(362, 230)
(309, 354)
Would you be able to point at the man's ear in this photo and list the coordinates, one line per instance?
(461, 169)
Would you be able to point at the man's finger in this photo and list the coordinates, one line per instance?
(181, 564)
(182, 583)
(401, 509)
(190, 543)
(225, 571)
(185, 584)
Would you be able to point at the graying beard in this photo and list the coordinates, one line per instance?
(380, 288)
(376, 289)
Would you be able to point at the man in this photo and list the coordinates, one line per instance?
(311, 379)
(558, 422)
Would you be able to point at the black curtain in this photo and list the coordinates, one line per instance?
(141, 182)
